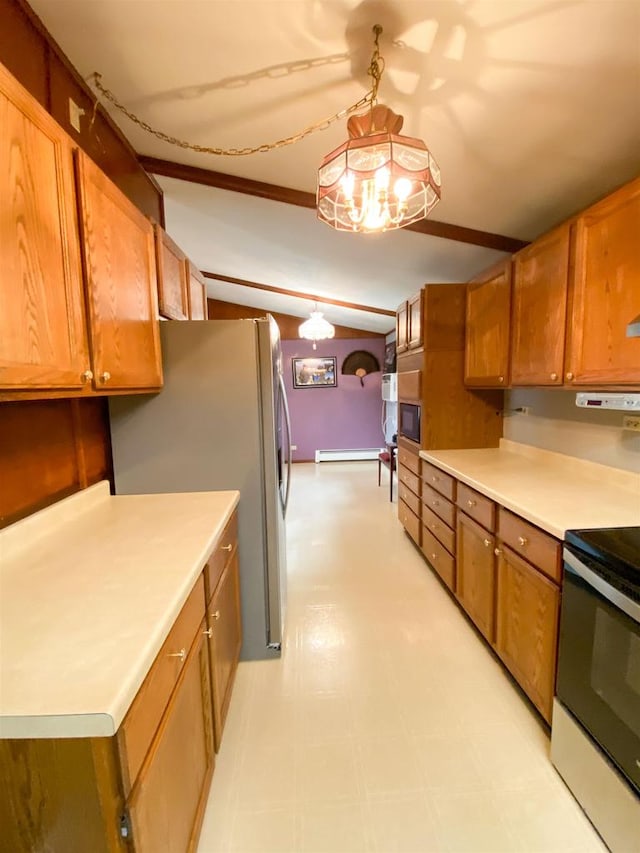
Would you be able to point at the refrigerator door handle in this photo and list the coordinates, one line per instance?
(285, 407)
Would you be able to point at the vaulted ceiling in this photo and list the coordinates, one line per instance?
(530, 107)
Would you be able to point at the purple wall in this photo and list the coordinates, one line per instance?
(346, 417)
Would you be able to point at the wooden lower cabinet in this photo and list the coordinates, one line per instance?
(528, 605)
(167, 803)
(225, 635)
(475, 573)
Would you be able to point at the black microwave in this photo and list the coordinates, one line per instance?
(409, 421)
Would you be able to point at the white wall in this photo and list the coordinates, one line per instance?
(556, 423)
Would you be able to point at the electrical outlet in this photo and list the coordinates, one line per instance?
(631, 422)
(524, 410)
(75, 114)
(294, 446)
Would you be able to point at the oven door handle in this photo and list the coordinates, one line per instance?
(617, 598)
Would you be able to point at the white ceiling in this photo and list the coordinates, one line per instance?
(530, 107)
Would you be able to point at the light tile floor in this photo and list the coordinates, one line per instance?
(387, 726)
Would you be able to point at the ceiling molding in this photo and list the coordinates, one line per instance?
(308, 296)
(274, 192)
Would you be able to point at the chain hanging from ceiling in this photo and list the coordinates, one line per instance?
(375, 70)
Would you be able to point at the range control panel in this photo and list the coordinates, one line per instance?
(622, 402)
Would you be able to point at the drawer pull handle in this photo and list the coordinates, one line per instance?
(487, 542)
(215, 615)
(208, 633)
(471, 503)
(181, 654)
(226, 547)
(497, 551)
(522, 541)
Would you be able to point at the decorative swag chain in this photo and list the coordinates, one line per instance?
(367, 99)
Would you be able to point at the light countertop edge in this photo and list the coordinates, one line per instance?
(24, 714)
(613, 495)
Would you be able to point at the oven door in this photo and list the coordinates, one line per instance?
(599, 661)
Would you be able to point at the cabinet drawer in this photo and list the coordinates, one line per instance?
(221, 555)
(438, 557)
(477, 506)
(539, 548)
(437, 479)
(139, 726)
(444, 534)
(409, 460)
(410, 385)
(439, 504)
(409, 520)
(409, 479)
(411, 500)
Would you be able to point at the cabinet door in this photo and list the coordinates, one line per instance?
(606, 292)
(172, 278)
(414, 321)
(527, 627)
(168, 800)
(42, 331)
(197, 293)
(120, 271)
(402, 322)
(475, 573)
(488, 326)
(226, 639)
(541, 274)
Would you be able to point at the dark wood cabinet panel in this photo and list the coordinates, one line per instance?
(475, 573)
(606, 292)
(488, 327)
(540, 286)
(225, 626)
(23, 50)
(402, 328)
(527, 627)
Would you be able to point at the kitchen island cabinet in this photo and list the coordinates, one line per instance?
(117, 750)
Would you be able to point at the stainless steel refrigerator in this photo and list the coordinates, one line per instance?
(220, 422)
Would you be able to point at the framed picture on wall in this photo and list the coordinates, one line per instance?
(314, 372)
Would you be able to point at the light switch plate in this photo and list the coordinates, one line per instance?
(75, 114)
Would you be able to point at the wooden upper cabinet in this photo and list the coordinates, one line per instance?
(414, 321)
(173, 300)
(540, 284)
(488, 327)
(120, 271)
(197, 292)
(42, 331)
(606, 292)
(402, 328)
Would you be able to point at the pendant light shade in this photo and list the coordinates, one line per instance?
(316, 328)
(378, 180)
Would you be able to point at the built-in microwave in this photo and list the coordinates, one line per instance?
(409, 421)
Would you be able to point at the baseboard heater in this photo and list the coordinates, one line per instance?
(347, 455)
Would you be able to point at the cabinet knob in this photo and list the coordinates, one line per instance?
(497, 551)
(208, 633)
(433, 556)
(181, 654)
(435, 479)
(87, 376)
(500, 379)
(435, 503)
(553, 376)
(226, 547)
(215, 615)
(522, 541)
(105, 377)
(569, 376)
(487, 542)
(471, 503)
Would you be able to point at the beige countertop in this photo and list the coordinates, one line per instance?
(89, 589)
(551, 490)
